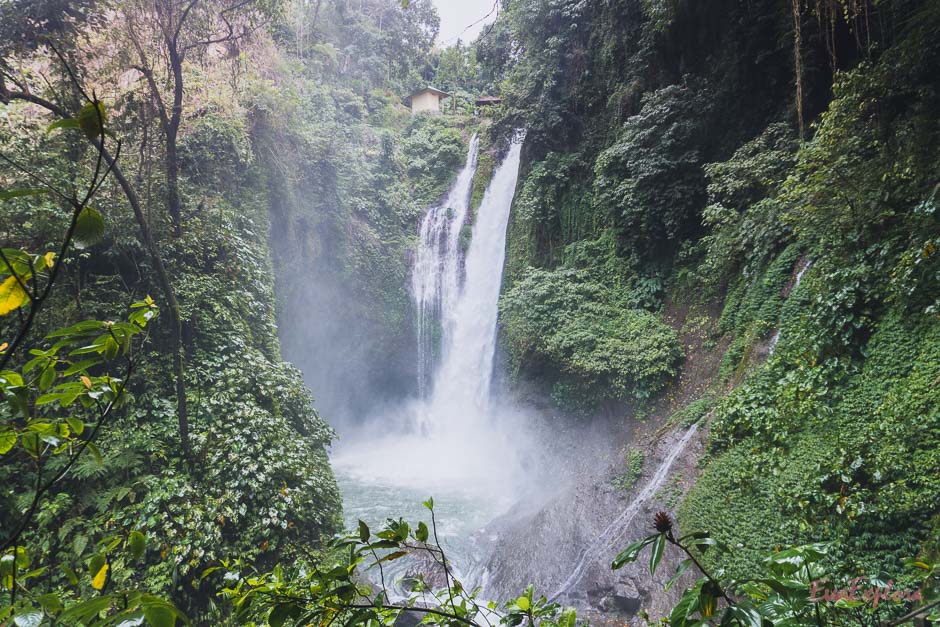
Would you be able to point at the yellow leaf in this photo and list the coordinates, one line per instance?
(49, 259)
(523, 603)
(12, 296)
(98, 582)
(708, 606)
(87, 382)
(3, 347)
(91, 118)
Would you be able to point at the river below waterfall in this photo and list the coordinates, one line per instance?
(460, 518)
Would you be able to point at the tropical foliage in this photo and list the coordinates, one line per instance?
(600, 349)
(687, 165)
(250, 171)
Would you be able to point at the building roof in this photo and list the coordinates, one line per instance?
(428, 89)
(485, 100)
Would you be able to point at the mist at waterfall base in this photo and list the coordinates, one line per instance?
(468, 448)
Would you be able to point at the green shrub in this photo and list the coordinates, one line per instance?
(650, 180)
(435, 150)
(575, 332)
(634, 470)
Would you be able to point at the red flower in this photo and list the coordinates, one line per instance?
(662, 522)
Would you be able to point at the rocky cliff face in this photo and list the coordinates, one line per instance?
(564, 544)
(703, 153)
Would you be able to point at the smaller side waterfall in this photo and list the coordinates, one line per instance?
(436, 278)
(796, 283)
(603, 545)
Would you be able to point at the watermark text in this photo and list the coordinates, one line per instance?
(857, 590)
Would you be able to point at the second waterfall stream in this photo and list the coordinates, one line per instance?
(452, 443)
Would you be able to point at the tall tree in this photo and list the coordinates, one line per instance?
(165, 34)
(26, 27)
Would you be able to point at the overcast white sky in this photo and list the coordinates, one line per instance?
(456, 15)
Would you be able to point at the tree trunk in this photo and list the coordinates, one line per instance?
(174, 204)
(798, 65)
(176, 324)
(163, 279)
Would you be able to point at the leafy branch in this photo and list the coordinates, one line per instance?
(23, 93)
(85, 225)
(334, 593)
(787, 594)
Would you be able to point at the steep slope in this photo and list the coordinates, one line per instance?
(665, 165)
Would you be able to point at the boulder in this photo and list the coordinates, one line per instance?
(624, 598)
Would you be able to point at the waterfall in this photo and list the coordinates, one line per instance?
(468, 311)
(435, 280)
(458, 443)
(603, 546)
(806, 265)
(451, 442)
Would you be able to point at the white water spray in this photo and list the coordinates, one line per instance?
(603, 546)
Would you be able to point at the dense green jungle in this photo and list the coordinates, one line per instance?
(605, 312)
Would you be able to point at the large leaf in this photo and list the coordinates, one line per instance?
(7, 440)
(100, 578)
(65, 398)
(75, 424)
(91, 119)
(64, 123)
(28, 618)
(686, 605)
(81, 612)
(88, 327)
(81, 366)
(132, 619)
(47, 378)
(656, 553)
(680, 569)
(160, 612)
(421, 533)
(746, 615)
(12, 296)
(281, 612)
(632, 552)
(89, 228)
(789, 561)
(160, 615)
(137, 544)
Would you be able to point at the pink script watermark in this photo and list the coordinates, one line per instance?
(857, 591)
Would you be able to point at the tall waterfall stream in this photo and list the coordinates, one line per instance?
(455, 447)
